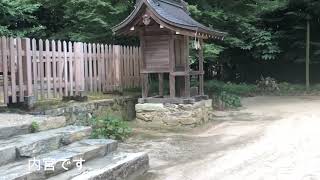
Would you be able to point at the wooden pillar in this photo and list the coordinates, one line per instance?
(172, 67)
(187, 67)
(201, 81)
(144, 77)
(161, 84)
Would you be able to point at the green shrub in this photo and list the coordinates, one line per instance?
(230, 100)
(109, 127)
(34, 127)
(287, 88)
(224, 100)
(268, 84)
(242, 89)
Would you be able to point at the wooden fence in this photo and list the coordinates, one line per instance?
(51, 69)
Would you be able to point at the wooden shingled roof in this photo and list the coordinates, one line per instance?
(172, 14)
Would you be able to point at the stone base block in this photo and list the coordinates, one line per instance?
(161, 115)
(27, 104)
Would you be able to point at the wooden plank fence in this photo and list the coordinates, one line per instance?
(52, 69)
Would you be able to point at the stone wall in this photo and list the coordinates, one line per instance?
(81, 112)
(172, 115)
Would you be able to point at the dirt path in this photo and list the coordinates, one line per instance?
(270, 138)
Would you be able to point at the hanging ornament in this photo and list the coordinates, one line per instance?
(146, 19)
(195, 43)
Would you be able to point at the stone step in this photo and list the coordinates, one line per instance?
(18, 124)
(115, 166)
(30, 145)
(50, 164)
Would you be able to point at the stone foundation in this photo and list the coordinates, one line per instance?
(78, 112)
(160, 115)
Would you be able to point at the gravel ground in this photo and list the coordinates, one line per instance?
(270, 138)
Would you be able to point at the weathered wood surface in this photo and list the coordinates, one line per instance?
(52, 69)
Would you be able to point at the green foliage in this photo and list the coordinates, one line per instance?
(268, 84)
(212, 51)
(17, 18)
(288, 89)
(257, 29)
(289, 23)
(218, 87)
(83, 20)
(229, 100)
(110, 127)
(34, 127)
(241, 19)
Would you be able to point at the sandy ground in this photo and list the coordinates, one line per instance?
(270, 138)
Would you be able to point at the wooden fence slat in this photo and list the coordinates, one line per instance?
(35, 69)
(71, 66)
(128, 66)
(13, 71)
(28, 67)
(109, 73)
(48, 68)
(138, 66)
(41, 68)
(20, 70)
(118, 75)
(94, 54)
(60, 65)
(131, 67)
(85, 56)
(90, 67)
(82, 89)
(98, 68)
(77, 67)
(78, 73)
(135, 63)
(5, 69)
(65, 68)
(54, 67)
(127, 69)
(106, 59)
(103, 71)
(123, 65)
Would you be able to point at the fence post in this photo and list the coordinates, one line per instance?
(27, 73)
(79, 68)
(118, 76)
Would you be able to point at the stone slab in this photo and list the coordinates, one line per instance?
(30, 145)
(173, 115)
(149, 107)
(116, 166)
(18, 124)
(85, 150)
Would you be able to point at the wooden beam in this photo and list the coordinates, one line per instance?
(187, 67)
(201, 80)
(144, 77)
(172, 67)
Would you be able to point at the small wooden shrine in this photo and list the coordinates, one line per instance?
(165, 30)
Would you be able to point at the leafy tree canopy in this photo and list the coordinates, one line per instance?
(258, 29)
